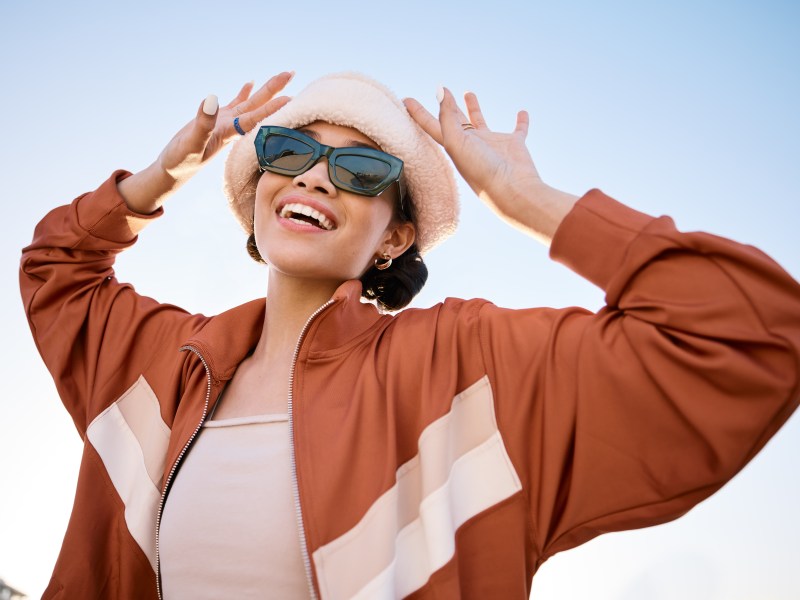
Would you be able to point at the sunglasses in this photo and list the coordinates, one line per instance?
(363, 171)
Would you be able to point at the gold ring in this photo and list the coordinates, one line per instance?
(466, 126)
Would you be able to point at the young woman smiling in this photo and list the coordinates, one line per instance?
(312, 444)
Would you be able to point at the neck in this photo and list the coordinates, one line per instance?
(290, 303)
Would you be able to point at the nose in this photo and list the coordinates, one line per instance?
(316, 178)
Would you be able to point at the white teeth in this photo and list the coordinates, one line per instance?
(302, 209)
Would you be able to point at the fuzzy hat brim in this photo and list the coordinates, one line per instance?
(354, 100)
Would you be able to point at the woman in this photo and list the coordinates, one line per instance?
(310, 445)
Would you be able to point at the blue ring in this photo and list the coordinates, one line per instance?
(237, 127)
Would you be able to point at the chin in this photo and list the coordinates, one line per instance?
(311, 256)
(302, 266)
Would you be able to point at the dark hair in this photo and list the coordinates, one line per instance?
(392, 288)
(252, 249)
(395, 287)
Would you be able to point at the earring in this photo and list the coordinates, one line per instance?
(387, 262)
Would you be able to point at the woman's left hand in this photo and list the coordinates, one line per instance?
(497, 166)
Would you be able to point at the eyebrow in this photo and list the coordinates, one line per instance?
(350, 143)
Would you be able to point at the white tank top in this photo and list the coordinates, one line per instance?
(229, 529)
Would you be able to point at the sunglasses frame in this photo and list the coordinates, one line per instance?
(332, 154)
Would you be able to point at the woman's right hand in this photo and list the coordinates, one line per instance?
(199, 141)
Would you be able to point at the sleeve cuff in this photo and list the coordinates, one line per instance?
(594, 238)
(104, 214)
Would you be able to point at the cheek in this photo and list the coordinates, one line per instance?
(268, 185)
(374, 223)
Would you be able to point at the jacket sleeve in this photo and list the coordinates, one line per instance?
(96, 335)
(631, 416)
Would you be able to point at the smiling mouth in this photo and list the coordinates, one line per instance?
(300, 213)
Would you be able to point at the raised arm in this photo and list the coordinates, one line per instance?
(94, 333)
(631, 416)
(199, 141)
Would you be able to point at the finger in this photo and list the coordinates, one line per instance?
(474, 111)
(266, 92)
(243, 94)
(249, 120)
(523, 122)
(424, 119)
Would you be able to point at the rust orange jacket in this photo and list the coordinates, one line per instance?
(442, 452)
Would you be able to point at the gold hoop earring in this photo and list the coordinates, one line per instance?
(387, 262)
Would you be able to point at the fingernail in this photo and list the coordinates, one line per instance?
(210, 105)
(291, 76)
(439, 94)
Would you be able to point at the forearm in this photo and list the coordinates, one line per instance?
(652, 404)
(74, 246)
(88, 327)
(144, 192)
(542, 211)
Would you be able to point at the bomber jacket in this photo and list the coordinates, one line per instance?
(439, 453)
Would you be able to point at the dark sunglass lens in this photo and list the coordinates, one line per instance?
(361, 172)
(286, 153)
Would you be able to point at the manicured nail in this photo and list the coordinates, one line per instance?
(439, 94)
(291, 76)
(210, 105)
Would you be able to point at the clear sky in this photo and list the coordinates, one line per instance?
(686, 108)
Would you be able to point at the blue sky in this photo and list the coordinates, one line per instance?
(681, 108)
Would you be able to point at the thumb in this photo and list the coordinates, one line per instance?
(210, 106)
(450, 116)
(207, 114)
(206, 119)
(424, 119)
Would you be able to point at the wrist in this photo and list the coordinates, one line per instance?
(144, 192)
(545, 207)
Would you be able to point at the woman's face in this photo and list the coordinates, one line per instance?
(344, 232)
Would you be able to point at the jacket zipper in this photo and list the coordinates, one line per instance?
(178, 461)
(295, 487)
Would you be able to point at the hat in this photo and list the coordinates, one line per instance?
(354, 100)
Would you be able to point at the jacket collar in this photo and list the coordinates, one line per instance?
(345, 320)
(226, 339)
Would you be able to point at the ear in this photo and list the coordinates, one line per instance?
(398, 239)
